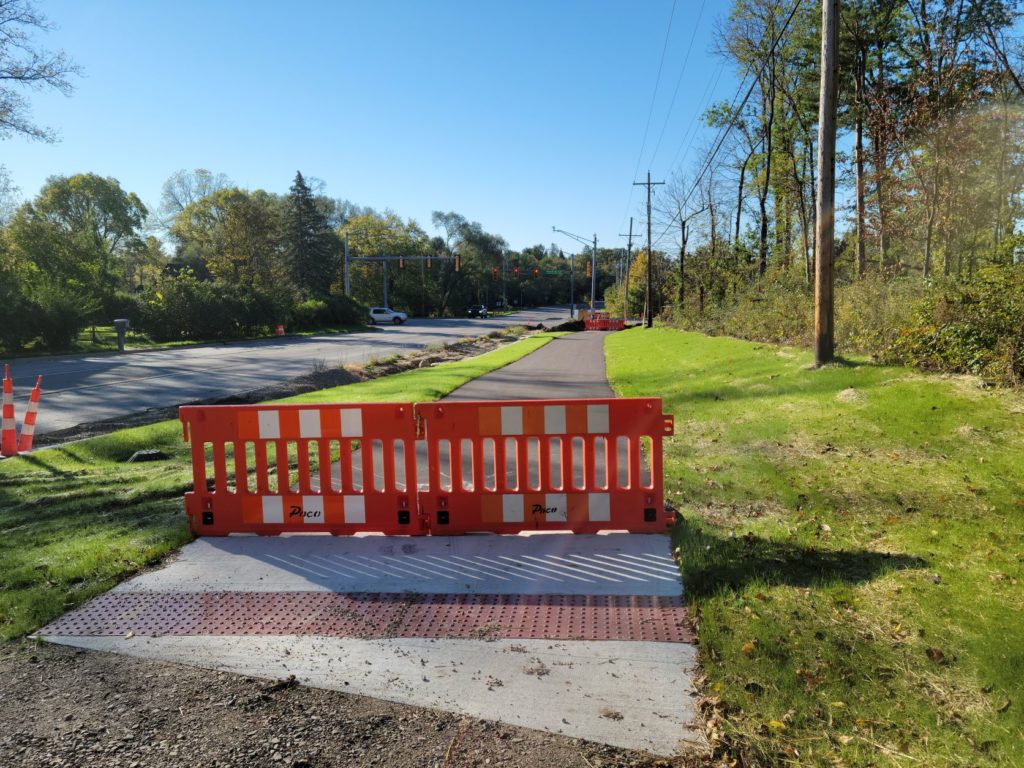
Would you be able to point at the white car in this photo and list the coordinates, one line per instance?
(387, 315)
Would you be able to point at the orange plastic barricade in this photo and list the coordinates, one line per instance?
(600, 321)
(354, 469)
(576, 465)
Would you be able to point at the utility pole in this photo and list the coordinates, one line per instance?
(572, 282)
(348, 288)
(824, 316)
(649, 312)
(504, 291)
(629, 253)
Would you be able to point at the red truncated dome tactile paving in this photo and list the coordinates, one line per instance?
(380, 615)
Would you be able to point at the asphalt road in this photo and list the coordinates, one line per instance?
(79, 389)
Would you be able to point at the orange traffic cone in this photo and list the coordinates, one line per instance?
(8, 435)
(28, 426)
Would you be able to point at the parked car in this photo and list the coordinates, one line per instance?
(477, 310)
(387, 315)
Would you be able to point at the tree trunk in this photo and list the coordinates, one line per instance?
(880, 163)
(739, 209)
(769, 120)
(682, 263)
(824, 316)
(862, 262)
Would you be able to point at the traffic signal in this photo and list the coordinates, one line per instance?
(589, 269)
(494, 273)
(401, 262)
(536, 271)
(458, 262)
(515, 271)
(428, 261)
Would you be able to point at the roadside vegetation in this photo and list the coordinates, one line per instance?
(852, 548)
(76, 519)
(232, 263)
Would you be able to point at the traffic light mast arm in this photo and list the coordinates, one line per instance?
(593, 260)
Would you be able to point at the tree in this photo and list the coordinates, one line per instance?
(79, 230)
(307, 242)
(24, 66)
(183, 188)
(8, 197)
(248, 254)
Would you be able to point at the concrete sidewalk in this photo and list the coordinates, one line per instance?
(590, 631)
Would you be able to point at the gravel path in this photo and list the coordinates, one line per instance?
(66, 707)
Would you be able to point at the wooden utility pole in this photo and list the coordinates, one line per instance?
(824, 315)
(629, 254)
(649, 310)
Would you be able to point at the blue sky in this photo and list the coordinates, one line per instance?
(520, 115)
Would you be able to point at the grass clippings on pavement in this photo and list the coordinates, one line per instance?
(76, 519)
(852, 548)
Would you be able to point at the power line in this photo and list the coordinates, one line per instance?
(732, 120)
(691, 133)
(650, 112)
(679, 81)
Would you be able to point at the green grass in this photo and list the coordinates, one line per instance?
(76, 519)
(852, 549)
(106, 340)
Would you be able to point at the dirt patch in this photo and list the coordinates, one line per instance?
(851, 395)
(318, 378)
(730, 514)
(69, 707)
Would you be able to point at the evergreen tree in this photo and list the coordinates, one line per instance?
(307, 242)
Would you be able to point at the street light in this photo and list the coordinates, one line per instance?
(593, 261)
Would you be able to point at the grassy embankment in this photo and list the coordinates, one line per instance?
(76, 519)
(852, 549)
(105, 340)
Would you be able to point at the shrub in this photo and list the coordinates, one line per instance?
(308, 314)
(17, 322)
(335, 309)
(181, 307)
(871, 313)
(59, 314)
(975, 327)
(778, 308)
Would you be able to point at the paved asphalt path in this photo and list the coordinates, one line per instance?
(570, 366)
(79, 389)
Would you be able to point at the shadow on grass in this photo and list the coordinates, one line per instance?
(711, 562)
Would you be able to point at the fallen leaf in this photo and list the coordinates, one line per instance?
(1003, 707)
(844, 740)
(936, 655)
(748, 648)
(130, 635)
(778, 725)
